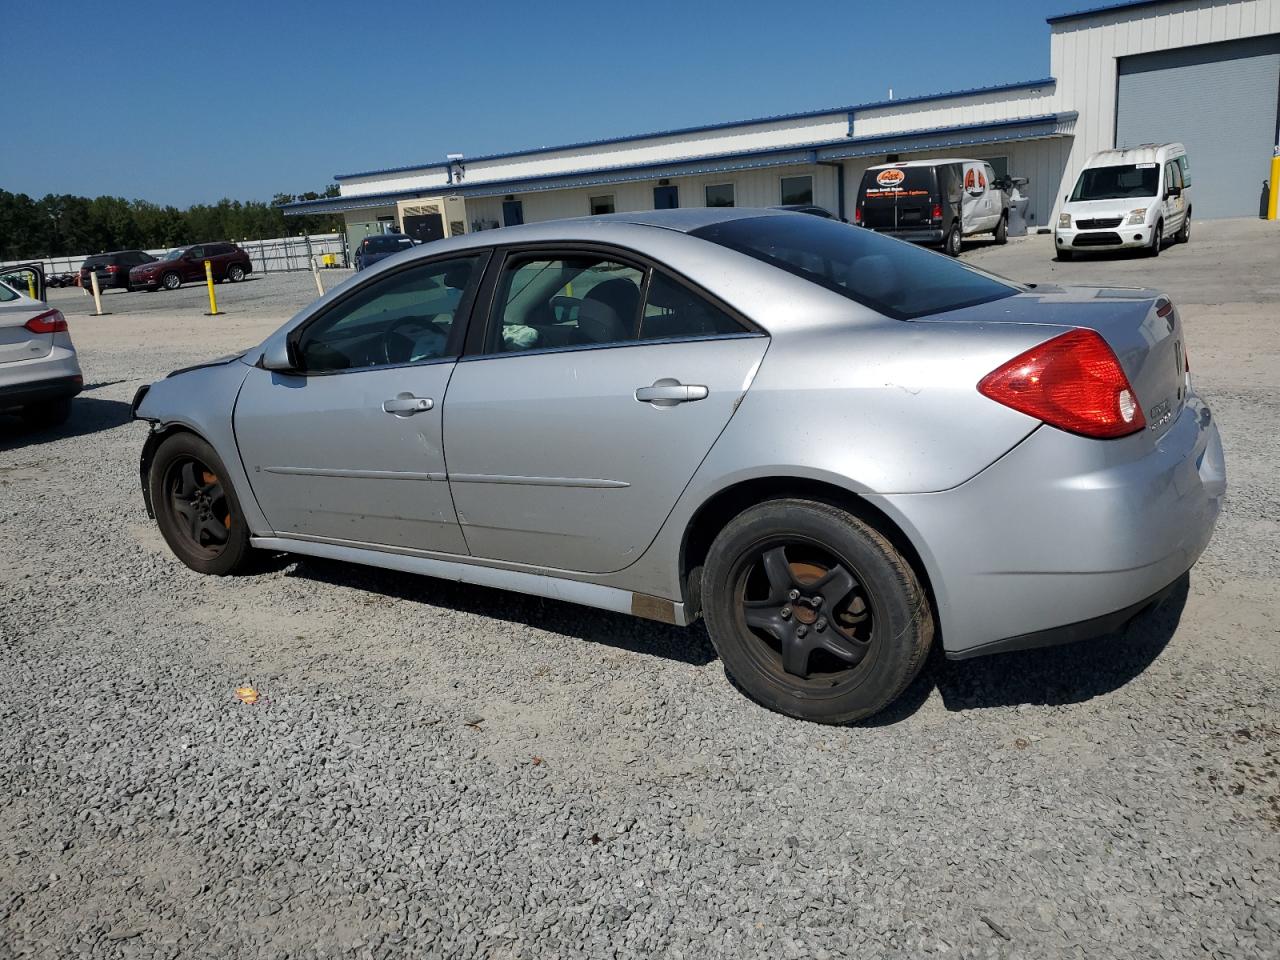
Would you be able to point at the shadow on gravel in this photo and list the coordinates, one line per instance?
(1052, 676)
(616, 630)
(88, 415)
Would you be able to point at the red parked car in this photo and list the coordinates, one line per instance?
(186, 264)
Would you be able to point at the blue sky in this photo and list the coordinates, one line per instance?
(183, 103)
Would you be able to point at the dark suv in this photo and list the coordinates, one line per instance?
(113, 268)
(186, 264)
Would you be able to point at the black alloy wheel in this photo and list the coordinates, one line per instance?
(813, 611)
(196, 507)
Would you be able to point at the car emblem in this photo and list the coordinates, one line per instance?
(1161, 414)
(891, 177)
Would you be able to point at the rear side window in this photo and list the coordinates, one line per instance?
(891, 277)
(893, 183)
(570, 301)
(673, 310)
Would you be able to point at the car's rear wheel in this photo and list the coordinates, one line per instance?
(951, 245)
(814, 612)
(235, 273)
(196, 507)
(46, 414)
(1002, 230)
(171, 281)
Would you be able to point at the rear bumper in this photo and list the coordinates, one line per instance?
(917, 234)
(42, 391)
(1065, 537)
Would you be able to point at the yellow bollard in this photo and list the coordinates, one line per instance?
(213, 300)
(31, 285)
(1273, 204)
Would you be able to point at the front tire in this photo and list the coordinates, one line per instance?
(1184, 231)
(1002, 231)
(814, 613)
(1157, 240)
(171, 281)
(196, 507)
(951, 245)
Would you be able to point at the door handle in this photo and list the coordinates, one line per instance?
(668, 392)
(407, 405)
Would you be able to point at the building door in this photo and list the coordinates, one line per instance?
(512, 213)
(666, 198)
(1218, 100)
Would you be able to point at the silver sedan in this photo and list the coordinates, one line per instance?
(836, 448)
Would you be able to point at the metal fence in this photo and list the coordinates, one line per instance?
(269, 256)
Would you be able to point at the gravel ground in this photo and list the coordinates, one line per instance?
(438, 770)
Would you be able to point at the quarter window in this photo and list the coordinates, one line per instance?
(797, 190)
(720, 195)
(407, 317)
(673, 310)
(602, 204)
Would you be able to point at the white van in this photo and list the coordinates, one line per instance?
(1139, 197)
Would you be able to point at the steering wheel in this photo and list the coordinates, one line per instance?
(404, 343)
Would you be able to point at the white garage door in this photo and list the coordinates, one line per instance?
(1221, 101)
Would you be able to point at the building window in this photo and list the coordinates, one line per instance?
(797, 190)
(602, 204)
(720, 195)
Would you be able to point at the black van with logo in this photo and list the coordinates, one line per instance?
(937, 202)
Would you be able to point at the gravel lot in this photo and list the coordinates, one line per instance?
(438, 770)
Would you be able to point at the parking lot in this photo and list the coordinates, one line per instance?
(440, 770)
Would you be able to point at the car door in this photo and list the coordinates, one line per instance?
(599, 386)
(994, 198)
(1174, 201)
(192, 264)
(349, 446)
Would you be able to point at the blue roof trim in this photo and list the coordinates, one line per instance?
(1108, 8)
(845, 147)
(727, 125)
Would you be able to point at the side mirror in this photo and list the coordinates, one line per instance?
(282, 356)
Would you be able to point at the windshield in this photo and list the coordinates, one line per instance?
(891, 277)
(386, 244)
(175, 254)
(1117, 183)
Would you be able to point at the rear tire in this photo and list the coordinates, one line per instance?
(235, 273)
(47, 415)
(1002, 230)
(196, 507)
(953, 242)
(813, 612)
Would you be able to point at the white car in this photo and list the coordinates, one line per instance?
(39, 371)
(1139, 197)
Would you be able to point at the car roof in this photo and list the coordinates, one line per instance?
(685, 219)
(1145, 153)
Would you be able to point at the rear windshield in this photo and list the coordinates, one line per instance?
(1117, 183)
(895, 182)
(891, 277)
(97, 261)
(386, 244)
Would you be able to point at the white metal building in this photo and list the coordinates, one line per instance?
(1203, 72)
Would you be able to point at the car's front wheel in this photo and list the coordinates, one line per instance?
(196, 508)
(171, 281)
(1002, 231)
(814, 613)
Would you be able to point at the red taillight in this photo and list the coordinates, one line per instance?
(112, 268)
(857, 215)
(52, 321)
(1073, 382)
(937, 211)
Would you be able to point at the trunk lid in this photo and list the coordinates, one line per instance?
(16, 341)
(1141, 326)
